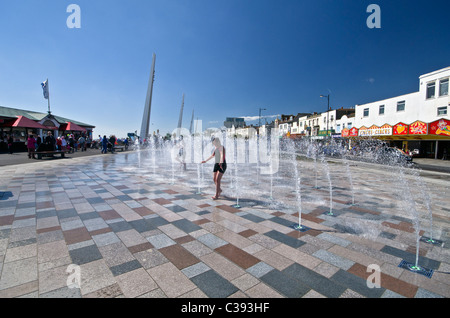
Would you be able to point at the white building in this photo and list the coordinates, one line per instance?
(409, 121)
(428, 104)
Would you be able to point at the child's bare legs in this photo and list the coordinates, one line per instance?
(217, 178)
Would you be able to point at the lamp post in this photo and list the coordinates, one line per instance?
(328, 109)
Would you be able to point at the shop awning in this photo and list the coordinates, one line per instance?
(71, 127)
(24, 122)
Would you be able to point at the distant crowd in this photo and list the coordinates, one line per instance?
(69, 143)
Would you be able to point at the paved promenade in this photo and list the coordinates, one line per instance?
(110, 226)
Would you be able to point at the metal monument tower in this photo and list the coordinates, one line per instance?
(180, 120)
(148, 104)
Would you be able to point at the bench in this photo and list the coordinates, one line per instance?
(50, 154)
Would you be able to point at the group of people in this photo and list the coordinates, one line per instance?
(108, 143)
(69, 143)
(50, 143)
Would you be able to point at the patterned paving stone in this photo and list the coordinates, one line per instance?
(125, 267)
(160, 241)
(214, 285)
(137, 235)
(284, 284)
(85, 254)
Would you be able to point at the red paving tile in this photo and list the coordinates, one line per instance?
(237, 256)
(179, 256)
(76, 235)
(143, 211)
(48, 229)
(6, 220)
(140, 247)
(228, 208)
(162, 201)
(386, 281)
(109, 215)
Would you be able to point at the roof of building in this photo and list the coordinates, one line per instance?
(8, 112)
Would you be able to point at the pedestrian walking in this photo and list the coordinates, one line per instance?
(31, 146)
(82, 143)
(104, 145)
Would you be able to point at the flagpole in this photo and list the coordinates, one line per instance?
(48, 99)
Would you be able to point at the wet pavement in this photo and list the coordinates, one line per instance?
(116, 225)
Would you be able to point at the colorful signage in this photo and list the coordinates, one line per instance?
(354, 132)
(345, 132)
(385, 130)
(400, 129)
(418, 128)
(440, 127)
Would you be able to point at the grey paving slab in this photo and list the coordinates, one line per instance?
(58, 212)
(284, 284)
(214, 285)
(85, 254)
(315, 281)
(285, 239)
(356, 284)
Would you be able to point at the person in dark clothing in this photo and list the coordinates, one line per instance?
(72, 144)
(10, 144)
(50, 142)
(112, 141)
(38, 142)
(104, 145)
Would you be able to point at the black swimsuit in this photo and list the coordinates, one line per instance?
(224, 164)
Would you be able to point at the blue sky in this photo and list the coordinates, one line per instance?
(229, 57)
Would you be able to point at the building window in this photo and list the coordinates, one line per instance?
(431, 90)
(381, 110)
(366, 112)
(443, 87)
(338, 127)
(401, 106)
(349, 125)
(442, 111)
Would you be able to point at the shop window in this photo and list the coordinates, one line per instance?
(443, 87)
(442, 111)
(431, 90)
(381, 110)
(401, 106)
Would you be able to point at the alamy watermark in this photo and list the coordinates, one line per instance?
(74, 278)
(374, 19)
(74, 19)
(374, 279)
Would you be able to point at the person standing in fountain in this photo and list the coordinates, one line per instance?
(220, 165)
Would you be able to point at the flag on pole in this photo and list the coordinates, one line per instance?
(45, 89)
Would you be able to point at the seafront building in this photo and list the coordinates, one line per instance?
(417, 122)
(20, 123)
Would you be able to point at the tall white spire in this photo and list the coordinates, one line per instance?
(180, 120)
(148, 103)
(192, 123)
